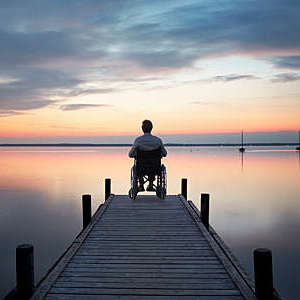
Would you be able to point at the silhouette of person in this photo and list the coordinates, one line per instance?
(147, 142)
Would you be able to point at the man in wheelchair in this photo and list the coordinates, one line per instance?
(147, 151)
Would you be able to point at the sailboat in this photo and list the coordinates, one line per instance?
(242, 149)
(298, 147)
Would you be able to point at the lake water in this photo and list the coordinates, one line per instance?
(254, 200)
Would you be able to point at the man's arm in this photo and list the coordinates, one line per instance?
(163, 150)
(132, 152)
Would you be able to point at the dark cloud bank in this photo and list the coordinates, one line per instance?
(53, 47)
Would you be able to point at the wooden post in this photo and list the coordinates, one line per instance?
(205, 210)
(263, 274)
(184, 188)
(25, 271)
(107, 188)
(86, 210)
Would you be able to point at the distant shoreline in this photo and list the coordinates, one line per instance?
(167, 145)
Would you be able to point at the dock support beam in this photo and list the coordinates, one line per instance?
(86, 210)
(184, 188)
(205, 210)
(107, 188)
(263, 274)
(25, 271)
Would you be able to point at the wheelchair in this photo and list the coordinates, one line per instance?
(147, 164)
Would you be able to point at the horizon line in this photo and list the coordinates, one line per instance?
(128, 144)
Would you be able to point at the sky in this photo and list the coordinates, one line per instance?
(91, 71)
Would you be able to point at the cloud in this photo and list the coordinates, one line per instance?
(19, 48)
(232, 77)
(150, 34)
(8, 113)
(58, 46)
(68, 107)
(35, 88)
(159, 59)
(288, 62)
(84, 92)
(201, 102)
(286, 77)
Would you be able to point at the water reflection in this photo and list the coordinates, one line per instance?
(242, 160)
(254, 199)
(28, 216)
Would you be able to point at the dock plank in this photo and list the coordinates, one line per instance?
(138, 297)
(125, 291)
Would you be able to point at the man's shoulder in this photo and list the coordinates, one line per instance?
(148, 137)
(139, 138)
(157, 138)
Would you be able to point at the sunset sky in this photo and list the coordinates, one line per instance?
(91, 71)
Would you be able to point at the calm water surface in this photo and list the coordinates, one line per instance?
(254, 200)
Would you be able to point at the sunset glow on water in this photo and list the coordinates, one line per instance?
(254, 199)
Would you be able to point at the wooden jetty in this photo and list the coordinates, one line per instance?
(147, 248)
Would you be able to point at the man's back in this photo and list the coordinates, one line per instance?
(147, 142)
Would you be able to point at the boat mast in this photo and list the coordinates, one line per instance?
(242, 138)
(242, 149)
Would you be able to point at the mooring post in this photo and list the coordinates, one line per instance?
(184, 188)
(86, 210)
(107, 188)
(205, 210)
(25, 271)
(263, 274)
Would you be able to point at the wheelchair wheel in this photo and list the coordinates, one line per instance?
(164, 180)
(161, 189)
(134, 184)
(160, 193)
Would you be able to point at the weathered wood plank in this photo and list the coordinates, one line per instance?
(178, 222)
(146, 238)
(145, 270)
(147, 285)
(153, 253)
(145, 246)
(103, 274)
(175, 292)
(140, 244)
(126, 226)
(147, 231)
(149, 244)
(178, 235)
(146, 250)
(138, 297)
(144, 260)
(161, 266)
(144, 280)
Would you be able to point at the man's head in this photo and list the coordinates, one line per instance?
(147, 126)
